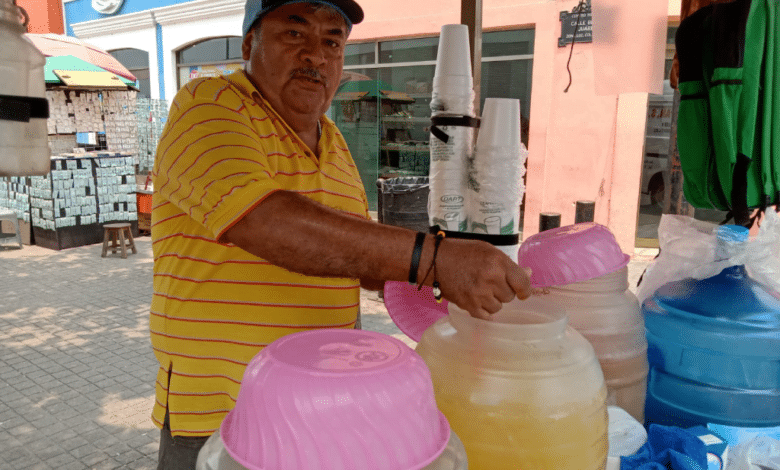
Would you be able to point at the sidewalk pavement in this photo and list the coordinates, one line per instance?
(76, 367)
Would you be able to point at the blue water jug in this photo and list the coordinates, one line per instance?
(714, 352)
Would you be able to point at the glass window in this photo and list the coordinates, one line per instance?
(356, 75)
(211, 51)
(137, 62)
(360, 54)
(408, 50)
(132, 58)
(234, 48)
(671, 34)
(188, 73)
(390, 136)
(209, 58)
(144, 83)
(502, 43)
(416, 79)
(509, 79)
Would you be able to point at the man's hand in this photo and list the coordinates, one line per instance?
(478, 277)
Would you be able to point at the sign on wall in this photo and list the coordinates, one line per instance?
(583, 25)
(188, 73)
(107, 7)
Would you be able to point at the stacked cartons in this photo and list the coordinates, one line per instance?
(151, 116)
(119, 113)
(80, 194)
(15, 195)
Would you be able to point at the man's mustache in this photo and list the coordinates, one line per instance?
(310, 73)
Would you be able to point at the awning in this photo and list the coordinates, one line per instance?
(370, 90)
(74, 72)
(56, 45)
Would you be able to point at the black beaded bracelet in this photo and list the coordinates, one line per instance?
(416, 254)
(436, 287)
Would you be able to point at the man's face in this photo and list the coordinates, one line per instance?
(297, 60)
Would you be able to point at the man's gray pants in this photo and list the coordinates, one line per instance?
(179, 452)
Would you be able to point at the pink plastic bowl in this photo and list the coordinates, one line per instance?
(412, 310)
(571, 254)
(336, 399)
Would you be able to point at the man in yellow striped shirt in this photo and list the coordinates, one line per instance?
(260, 223)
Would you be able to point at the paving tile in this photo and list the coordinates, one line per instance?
(15, 454)
(72, 443)
(7, 414)
(75, 465)
(81, 451)
(60, 460)
(45, 449)
(33, 464)
(98, 460)
(10, 375)
(54, 429)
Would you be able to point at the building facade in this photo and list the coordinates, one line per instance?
(582, 146)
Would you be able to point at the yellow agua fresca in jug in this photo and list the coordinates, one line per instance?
(523, 391)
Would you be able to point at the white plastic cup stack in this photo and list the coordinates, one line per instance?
(453, 85)
(453, 95)
(495, 182)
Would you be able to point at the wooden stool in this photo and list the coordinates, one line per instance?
(118, 230)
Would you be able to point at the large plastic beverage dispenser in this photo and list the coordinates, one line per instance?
(714, 352)
(24, 144)
(335, 399)
(523, 391)
(584, 275)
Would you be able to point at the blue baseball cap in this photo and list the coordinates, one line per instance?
(256, 9)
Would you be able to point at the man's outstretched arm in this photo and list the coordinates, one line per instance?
(306, 237)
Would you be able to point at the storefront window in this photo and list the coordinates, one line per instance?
(408, 50)
(137, 62)
(508, 43)
(359, 54)
(509, 79)
(209, 58)
(383, 104)
(656, 162)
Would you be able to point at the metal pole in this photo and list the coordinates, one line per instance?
(471, 16)
(548, 220)
(674, 198)
(585, 211)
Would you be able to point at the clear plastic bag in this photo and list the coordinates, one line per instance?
(691, 248)
(759, 453)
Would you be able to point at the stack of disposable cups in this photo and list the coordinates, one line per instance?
(453, 96)
(496, 178)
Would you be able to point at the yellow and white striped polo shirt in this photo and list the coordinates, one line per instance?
(215, 306)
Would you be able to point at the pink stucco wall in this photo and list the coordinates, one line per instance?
(45, 15)
(581, 146)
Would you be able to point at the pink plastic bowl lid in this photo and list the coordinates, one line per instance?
(569, 254)
(336, 399)
(412, 310)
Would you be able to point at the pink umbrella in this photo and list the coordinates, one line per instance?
(55, 45)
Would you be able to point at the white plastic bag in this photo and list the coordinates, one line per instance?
(690, 248)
